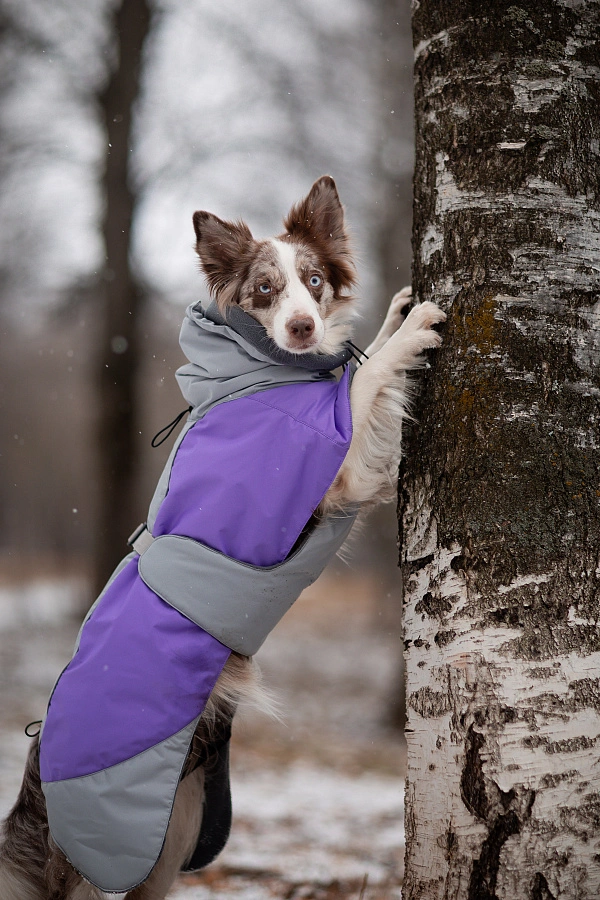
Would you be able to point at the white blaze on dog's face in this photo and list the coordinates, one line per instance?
(296, 322)
(295, 285)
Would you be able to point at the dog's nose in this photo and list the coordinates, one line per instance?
(301, 328)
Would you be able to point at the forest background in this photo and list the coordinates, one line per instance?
(237, 109)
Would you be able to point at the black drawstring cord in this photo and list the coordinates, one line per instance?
(354, 350)
(33, 733)
(170, 428)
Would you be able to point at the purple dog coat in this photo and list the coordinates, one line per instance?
(231, 547)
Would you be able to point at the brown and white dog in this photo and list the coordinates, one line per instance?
(298, 286)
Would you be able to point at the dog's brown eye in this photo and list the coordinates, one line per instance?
(264, 288)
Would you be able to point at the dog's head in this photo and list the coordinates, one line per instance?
(296, 285)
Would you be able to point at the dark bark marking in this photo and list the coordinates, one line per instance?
(430, 704)
(507, 714)
(551, 780)
(541, 641)
(540, 889)
(435, 607)
(459, 563)
(569, 745)
(585, 819)
(482, 885)
(451, 843)
(444, 637)
(414, 566)
(544, 672)
(504, 814)
(585, 694)
(472, 784)
(511, 617)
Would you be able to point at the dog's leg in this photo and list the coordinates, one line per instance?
(24, 845)
(31, 866)
(14, 884)
(392, 322)
(182, 836)
(33, 869)
(238, 682)
(379, 400)
(85, 891)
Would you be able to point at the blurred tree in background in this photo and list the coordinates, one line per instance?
(121, 302)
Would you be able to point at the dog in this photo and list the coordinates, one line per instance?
(298, 286)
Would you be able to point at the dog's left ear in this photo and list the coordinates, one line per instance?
(318, 221)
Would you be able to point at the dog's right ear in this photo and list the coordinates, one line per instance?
(225, 250)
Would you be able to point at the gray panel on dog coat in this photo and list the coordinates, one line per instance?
(239, 604)
(139, 795)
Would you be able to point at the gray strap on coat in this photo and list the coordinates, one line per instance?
(140, 539)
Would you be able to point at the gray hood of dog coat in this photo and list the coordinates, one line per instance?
(236, 357)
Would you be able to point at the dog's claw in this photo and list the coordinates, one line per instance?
(426, 314)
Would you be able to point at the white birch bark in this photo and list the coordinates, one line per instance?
(501, 521)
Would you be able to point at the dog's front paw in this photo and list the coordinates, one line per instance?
(403, 297)
(417, 327)
(426, 314)
(396, 312)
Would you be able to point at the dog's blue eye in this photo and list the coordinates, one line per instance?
(315, 281)
(264, 288)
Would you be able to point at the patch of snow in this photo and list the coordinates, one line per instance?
(305, 824)
(41, 601)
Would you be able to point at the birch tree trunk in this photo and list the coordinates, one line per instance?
(501, 496)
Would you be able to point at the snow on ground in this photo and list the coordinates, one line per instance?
(317, 796)
(41, 601)
(304, 831)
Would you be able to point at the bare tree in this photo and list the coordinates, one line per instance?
(119, 356)
(395, 151)
(394, 161)
(501, 523)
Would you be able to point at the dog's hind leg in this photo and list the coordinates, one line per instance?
(31, 866)
(15, 885)
(180, 842)
(85, 891)
(24, 843)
